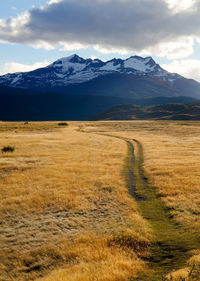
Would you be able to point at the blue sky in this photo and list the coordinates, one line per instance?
(11, 8)
(34, 33)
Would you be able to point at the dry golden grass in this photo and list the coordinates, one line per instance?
(172, 161)
(65, 212)
(65, 209)
(189, 273)
(95, 260)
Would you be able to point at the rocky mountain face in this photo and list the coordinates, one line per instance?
(75, 70)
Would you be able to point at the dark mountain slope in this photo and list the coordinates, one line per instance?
(123, 85)
(40, 107)
(170, 111)
(21, 104)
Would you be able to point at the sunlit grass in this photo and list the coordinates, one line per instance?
(172, 157)
(64, 201)
(65, 206)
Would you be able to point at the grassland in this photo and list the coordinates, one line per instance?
(65, 209)
(171, 160)
(66, 213)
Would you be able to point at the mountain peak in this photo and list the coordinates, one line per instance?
(145, 65)
(73, 59)
(149, 59)
(74, 69)
(151, 63)
(135, 57)
(76, 59)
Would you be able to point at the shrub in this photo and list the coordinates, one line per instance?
(63, 124)
(8, 148)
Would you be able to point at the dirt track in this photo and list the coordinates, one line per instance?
(172, 244)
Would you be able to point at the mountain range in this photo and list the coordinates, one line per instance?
(76, 70)
(135, 77)
(76, 88)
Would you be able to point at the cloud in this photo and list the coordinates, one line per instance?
(177, 49)
(12, 67)
(189, 68)
(72, 46)
(14, 8)
(178, 6)
(166, 27)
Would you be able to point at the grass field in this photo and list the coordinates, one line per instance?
(65, 208)
(171, 160)
(66, 213)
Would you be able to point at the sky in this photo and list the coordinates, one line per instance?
(34, 33)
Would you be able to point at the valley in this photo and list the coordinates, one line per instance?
(100, 140)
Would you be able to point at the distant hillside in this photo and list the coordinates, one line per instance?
(44, 107)
(175, 111)
(20, 104)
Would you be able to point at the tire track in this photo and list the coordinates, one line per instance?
(172, 243)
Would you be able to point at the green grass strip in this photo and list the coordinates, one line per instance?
(172, 242)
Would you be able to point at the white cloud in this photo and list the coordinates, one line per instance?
(189, 68)
(14, 8)
(39, 44)
(177, 49)
(155, 27)
(54, 1)
(21, 20)
(178, 6)
(12, 67)
(71, 47)
(111, 50)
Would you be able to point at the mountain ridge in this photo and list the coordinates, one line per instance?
(131, 78)
(75, 70)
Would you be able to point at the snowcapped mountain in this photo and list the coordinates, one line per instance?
(74, 88)
(74, 70)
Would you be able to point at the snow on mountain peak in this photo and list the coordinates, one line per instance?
(110, 66)
(71, 63)
(74, 63)
(74, 69)
(141, 64)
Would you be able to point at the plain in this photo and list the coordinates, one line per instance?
(66, 213)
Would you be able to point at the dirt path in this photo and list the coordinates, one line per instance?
(172, 243)
(130, 164)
